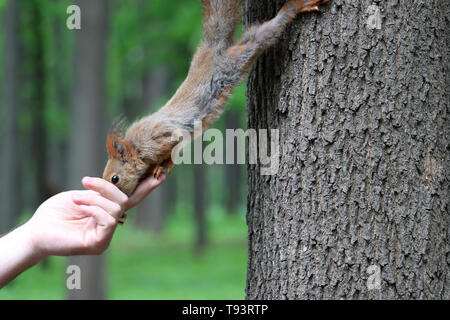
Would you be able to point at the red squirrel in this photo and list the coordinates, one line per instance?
(217, 67)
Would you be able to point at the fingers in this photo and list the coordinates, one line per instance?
(102, 218)
(98, 241)
(112, 193)
(106, 189)
(144, 188)
(94, 199)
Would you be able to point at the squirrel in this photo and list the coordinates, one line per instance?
(217, 67)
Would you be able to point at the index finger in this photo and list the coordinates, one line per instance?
(106, 189)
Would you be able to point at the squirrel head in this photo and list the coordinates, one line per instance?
(124, 167)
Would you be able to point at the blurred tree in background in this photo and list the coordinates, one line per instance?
(88, 126)
(61, 88)
(10, 187)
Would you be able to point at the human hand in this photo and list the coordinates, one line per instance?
(70, 223)
(83, 222)
(142, 191)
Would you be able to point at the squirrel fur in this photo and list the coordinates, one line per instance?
(217, 67)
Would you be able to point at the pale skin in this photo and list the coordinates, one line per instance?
(70, 223)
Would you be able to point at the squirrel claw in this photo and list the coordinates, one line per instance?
(122, 219)
(169, 167)
(310, 9)
(158, 172)
(310, 6)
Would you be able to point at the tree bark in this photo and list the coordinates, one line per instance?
(10, 185)
(88, 130)
(233, 172)
(362, 188)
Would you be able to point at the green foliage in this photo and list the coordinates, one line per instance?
(2, 5)
(238, 100)
(44, 33)
(143, 35)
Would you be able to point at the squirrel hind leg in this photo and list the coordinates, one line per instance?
(304, 5)
(258, 38)
(221, 18)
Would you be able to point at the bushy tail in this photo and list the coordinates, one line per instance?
(220, 20)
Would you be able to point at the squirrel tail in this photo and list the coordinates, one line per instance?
(220, 20)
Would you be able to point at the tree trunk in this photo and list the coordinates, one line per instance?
(359, 206)
(86, 154)
(151, 212)
(233, 172)
(10, 177)
(58, 145)
(37, 104)
(200, 207)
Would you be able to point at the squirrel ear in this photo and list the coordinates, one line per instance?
(119, 147)
(114, 145)
(115, 140)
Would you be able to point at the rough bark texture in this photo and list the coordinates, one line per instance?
(364, 152)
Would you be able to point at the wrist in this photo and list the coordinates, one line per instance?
(17, 253)
(31, 243)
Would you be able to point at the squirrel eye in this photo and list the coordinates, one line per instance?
(115, 179)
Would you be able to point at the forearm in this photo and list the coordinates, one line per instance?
(16, 254)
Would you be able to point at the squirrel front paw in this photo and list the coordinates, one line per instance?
(166, 166)
(122, 219)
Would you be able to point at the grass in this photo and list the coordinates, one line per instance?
(142, 265)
